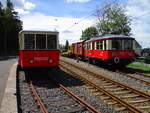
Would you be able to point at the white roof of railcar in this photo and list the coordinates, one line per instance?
(108, 37)
(37, 31)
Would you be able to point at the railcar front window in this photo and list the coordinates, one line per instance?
(29, 41)
(40, 41)
(51, 42)
(128, 44)
(116, 45)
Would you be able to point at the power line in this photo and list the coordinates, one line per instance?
(90, 15)
(81, 20)
(142, 15)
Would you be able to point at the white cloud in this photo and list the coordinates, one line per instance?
(21, 11)
(21, 6)
(82, 1)
(38, 21)
(139, 11)
(29, 5)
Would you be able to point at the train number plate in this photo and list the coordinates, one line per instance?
(40, 58)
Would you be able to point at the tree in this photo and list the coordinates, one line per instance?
(10, 25)
(1, 7)
(61, 47)
(112, 19)
(10, 5)
(89, 33)
(66, 45)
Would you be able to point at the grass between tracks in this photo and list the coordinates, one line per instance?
(140, 67)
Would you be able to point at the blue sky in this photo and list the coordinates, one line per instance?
(63, 8)
(69, 16)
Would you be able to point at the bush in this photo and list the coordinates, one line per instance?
(147, 60)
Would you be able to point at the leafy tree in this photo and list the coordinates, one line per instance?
(9, 5)
(112, 19)
(1, 7)
(89, 33)
(66, 45)
(10, 25)
(61, 47)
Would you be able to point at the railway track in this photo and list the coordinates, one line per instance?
(138, 73)
(135, 78)
(122, 97)
(58, 100)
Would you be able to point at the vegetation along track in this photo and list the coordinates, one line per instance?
(59, 100)
(122, 97)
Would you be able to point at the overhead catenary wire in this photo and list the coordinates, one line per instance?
(142, 15)
(88, 16)
(94, 14)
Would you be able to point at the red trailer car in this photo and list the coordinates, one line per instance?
(38, 49)
(78, 49)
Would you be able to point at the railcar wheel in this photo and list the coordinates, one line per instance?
(116, 60)
(94, 61)
(90, 60)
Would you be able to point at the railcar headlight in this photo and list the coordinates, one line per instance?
(31, 61)
(51, 61)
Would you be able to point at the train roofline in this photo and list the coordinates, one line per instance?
(37, 31)
(110, 37)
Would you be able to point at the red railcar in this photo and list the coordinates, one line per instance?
(111, 49)
(78, 49)
(38, 49)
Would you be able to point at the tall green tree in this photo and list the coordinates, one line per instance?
(89, 33)
(112, 19)
(66, 45)
(10, 25)
(61, 47)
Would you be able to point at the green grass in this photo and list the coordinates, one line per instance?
(141, 67)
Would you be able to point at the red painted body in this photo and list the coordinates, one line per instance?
(78, 48)
(40, 58)
(105, 55)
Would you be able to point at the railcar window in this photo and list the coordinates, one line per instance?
(40, 41)
(97, 45)
(91, 46)
(88, 46)
(101, 45)
(116, 45)
(128, 44)
(29, 41)
(51, 42)
(104, 45)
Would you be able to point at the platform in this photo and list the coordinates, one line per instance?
(9, 102)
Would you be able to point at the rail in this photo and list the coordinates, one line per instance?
(125, 104)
